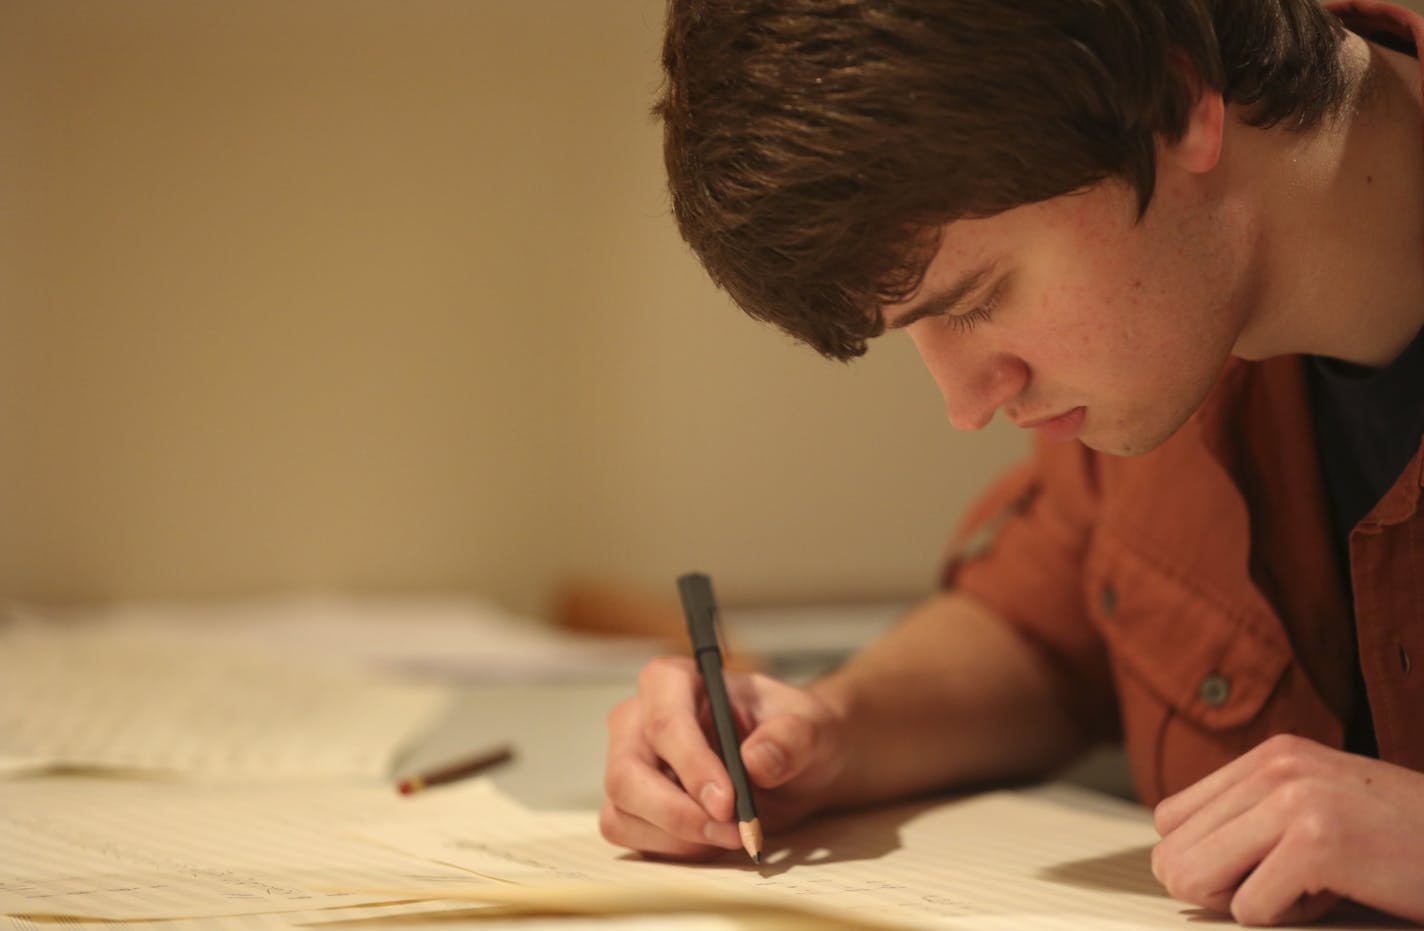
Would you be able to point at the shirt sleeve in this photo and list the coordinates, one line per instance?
(1021, 553)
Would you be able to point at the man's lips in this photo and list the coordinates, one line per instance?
(1063, 426)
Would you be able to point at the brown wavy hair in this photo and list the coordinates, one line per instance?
(814, 147)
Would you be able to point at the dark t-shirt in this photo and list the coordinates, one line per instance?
(1368, 425)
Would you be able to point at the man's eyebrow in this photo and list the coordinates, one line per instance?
(943, 300)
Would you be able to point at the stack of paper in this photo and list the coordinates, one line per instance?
(89, 847)
(1000, 860)
(287, 830)
(85, 852)
(110, 699)
(445, 638)
(102, 849)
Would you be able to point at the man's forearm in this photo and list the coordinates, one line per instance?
(950, 696)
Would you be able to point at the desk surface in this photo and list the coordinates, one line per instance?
(559, 734)
(557, 730)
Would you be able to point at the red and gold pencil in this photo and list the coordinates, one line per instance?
(455, 770)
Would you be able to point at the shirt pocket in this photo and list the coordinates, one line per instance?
(1198, 653)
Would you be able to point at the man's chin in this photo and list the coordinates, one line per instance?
(1122, 443)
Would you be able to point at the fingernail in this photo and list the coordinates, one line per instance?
(711, 796)
(709, 831)
(767, 758)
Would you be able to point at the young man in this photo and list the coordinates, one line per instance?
(1182, 239)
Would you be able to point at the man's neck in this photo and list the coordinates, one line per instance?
(1341, 221)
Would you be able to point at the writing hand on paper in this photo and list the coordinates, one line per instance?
(1285, 831)
(666, 791)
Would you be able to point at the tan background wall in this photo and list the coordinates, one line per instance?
(384, 296)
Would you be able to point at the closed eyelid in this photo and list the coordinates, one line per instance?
(981, 302)
(979, 310)
(957, 295)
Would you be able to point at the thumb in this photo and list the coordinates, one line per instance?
(778, 750)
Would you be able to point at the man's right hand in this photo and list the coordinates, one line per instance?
(666, 792)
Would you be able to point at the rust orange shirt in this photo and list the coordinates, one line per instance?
(1187, 599)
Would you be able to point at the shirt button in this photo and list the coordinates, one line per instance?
(1404, 663)
(1215, 689)
(1109, 599)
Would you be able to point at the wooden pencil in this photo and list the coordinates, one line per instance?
(456, 770)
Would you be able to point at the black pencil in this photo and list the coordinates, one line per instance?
(458, 769)
(701, 610)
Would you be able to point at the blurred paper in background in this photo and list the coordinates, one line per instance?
(111, 698)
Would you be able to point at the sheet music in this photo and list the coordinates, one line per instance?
(115, 700)
(223, 859)
(996, 861)
(445, 638)
(105, 848)
(428, 916)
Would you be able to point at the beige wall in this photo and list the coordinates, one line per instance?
(377, 296)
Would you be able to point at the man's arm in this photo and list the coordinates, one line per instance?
(951, 696)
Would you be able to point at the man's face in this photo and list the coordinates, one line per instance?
(1077, 318)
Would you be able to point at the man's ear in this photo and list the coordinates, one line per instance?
(1199, 148)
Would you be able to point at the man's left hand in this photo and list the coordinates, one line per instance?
(1284, 832)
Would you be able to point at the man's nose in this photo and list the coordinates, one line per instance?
(974, 389)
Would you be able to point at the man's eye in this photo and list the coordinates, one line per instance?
(967, 321)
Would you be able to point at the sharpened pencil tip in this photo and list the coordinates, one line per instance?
(751, 838)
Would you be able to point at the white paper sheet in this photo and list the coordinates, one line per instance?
(1004, 860)
(427, 916)
(133, 851)
(94, 698)
(118, 849)
(449, 638)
